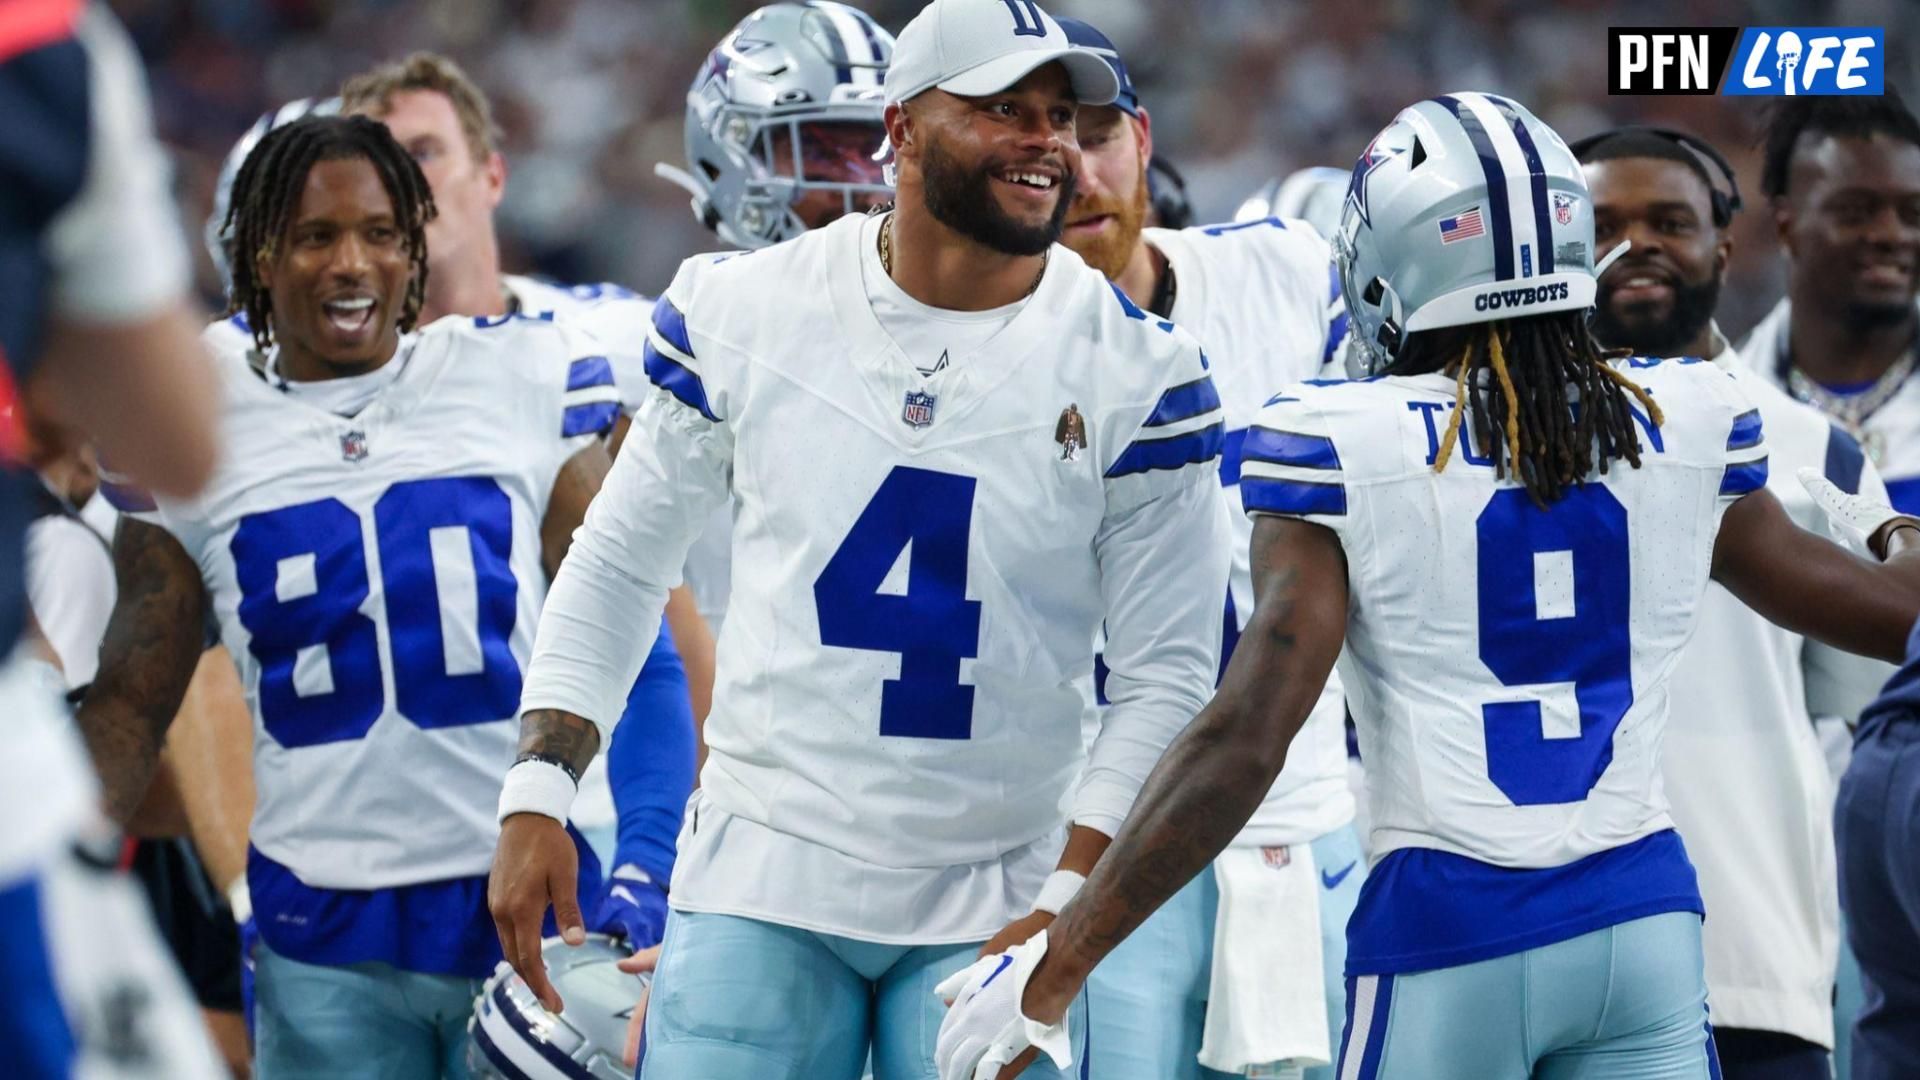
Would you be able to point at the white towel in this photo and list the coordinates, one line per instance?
(1267, 1002)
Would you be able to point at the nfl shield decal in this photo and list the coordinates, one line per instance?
(1563, 208)
(918, 411)
(353, 446)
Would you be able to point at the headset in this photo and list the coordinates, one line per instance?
(1725, 203)
(1167, 189)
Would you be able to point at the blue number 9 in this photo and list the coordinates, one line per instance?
(1527, 642)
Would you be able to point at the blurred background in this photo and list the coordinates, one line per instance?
(590, 94)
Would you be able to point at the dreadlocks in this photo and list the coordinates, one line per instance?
(267, 192)
(1523, 378)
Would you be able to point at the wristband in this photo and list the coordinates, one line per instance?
(536, 787)
(240, 900)
(1060, 887)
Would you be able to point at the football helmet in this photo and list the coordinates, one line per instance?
(514, 1037)
(788, 103)
(1314, 195)
(230, 170)
(1465, 209)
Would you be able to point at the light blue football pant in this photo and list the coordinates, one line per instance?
(1147, 1001)
(360, 1020)
(742, 999)
(1849, 997)
(1625, 1003)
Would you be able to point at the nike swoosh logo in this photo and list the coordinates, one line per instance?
(1004, 961)
(1332, 881)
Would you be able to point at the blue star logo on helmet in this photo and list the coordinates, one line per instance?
(1371, 158)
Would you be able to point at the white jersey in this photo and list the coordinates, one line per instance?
(1742, 760)
(923, 561)
(1890, 433)
(1255, 349)
(377, 579)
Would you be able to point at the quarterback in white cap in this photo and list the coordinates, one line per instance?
(954, 451)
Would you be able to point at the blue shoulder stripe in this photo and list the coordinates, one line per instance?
(1230, 451)
(671, 324)
(594, 418)
(1291, 448)
(676, 379)
(1845, 461)
(1184, 402)
(1746, 431)
(1146, 455)
(589, 371)
(1745, 478)
(1265, 495)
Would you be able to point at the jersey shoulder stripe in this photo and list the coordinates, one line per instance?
(670, 363)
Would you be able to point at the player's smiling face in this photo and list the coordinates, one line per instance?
(339, 276)
(1851, 218)
(1657, 297)
(1110, 200)
(467, 185)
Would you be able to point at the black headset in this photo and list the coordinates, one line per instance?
(1725, 203)
(1172, 209)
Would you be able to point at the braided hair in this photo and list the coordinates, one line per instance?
(1523, 377)
(267, 192)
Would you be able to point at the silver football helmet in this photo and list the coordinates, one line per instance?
(1465, 209)
(787, 104)
(286, 114)
(1314, 195)
(514, 1037)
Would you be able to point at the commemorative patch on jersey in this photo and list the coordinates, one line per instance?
(1070, 431)
(353, 446)
(918, 410)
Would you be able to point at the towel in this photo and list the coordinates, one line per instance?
(1267, 1002)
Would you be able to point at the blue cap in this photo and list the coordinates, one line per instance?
(1084, 36)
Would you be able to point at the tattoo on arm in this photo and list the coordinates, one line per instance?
(552, 733)
(149, 654)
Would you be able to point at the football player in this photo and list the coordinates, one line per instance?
(1513, 579)
(98, 316)
(636, 798)
(1741, 759)
(1256, 294)
(375, 546)
(927, 542)
(1843, 176)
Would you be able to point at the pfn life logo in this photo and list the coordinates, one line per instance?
(1756, 60)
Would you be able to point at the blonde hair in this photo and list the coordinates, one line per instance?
(372, 92)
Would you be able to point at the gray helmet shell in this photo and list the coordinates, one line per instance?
(1314, 194)
(783, 66)
(513, 1036)
(213, 232)
(1465, 209)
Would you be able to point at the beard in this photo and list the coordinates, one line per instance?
(1110, 252)
(963, 201)
(1693, 304)
(1877, 315)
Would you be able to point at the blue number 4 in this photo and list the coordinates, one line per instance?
(933, 626)
(1577, 632)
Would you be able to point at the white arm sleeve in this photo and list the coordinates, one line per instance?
(1163, 573)
(1840, 683)
(117, 250)
(603, 612)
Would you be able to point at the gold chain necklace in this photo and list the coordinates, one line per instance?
(886, 257)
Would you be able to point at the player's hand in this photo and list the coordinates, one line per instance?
(1863, 521)
(985, 1035)
(638, 964)
(1017, 932)
(534, 867)
(634, 908)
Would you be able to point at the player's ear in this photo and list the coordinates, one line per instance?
(1146, 136)
(1722, 252)
(495, 168)
(1783, 222)
(899, 124)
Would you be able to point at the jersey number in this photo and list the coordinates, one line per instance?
(1026, 18)
(932, 624)
(303, 579)
(1554, 597)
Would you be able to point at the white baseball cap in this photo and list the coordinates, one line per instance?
(978, 47)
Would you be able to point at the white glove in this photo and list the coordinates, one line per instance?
(1855, 517)
(984, 1029)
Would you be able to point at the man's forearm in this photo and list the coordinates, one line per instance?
(559, 736)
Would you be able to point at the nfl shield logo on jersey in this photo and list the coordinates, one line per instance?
(918, 412)
(353, 446)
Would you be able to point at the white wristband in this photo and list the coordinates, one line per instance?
(537, 787)
(240, 900)
(1060, 887)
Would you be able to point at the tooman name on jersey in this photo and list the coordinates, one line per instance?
(1521, 297)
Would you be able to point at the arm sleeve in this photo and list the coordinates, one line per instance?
(1840, 683)
(117, 250)
(1164, 555)
(650, 763)
(603, 612)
